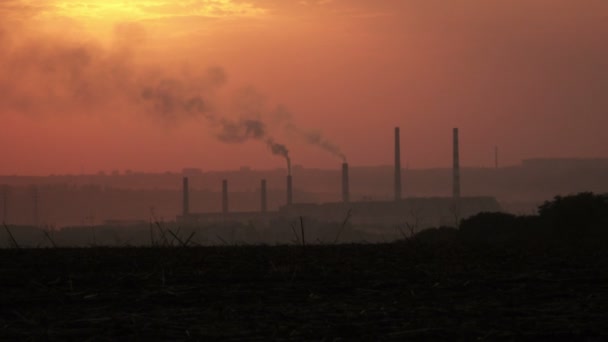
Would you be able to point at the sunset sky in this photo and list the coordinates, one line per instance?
(157, 85)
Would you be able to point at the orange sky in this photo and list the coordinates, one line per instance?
(105, 85)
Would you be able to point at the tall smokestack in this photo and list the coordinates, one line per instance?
(456, 167)
(289, 191)
(263, 195)
(5, 204)
(35, 199)
(397, 165)
(186, 200)
(345, 184)
(225, 196)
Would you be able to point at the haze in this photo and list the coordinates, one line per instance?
(151, 85)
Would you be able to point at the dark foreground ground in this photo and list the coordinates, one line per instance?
(350, 292)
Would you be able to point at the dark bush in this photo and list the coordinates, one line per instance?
(581, 216)
(569, 219)
(437, 235)
(492, 227)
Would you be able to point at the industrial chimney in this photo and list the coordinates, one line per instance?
(186, 201)
(397, 166)
(263, 195)
(289, 191)
(345, 184)
(35, 200)
(5, 204)
(225, 196)
(456, 167)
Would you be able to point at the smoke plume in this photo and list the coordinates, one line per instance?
(312, 137)
(43, 75)
(241, 131)
(249, 102)
(173, 99)
(251, 129)
(280, 150)
(316, 138)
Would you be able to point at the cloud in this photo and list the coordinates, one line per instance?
(46, 75)
(138, 10)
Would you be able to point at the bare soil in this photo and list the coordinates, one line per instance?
(399, 291)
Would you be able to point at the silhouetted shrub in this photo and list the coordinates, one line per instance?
(492, 227)
(577, 217)
(439, 235)
(574, 218)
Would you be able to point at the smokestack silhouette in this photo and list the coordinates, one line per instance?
(289, 190)
(456, 167)
(35, 199)
(345, 184)
(5, 204)
(186, 200)
(263, 195)
(225, 196)
(397, 165)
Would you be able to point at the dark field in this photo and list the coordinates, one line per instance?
(372, 292)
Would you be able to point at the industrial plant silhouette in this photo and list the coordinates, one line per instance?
(436, 210)
(469, 275)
